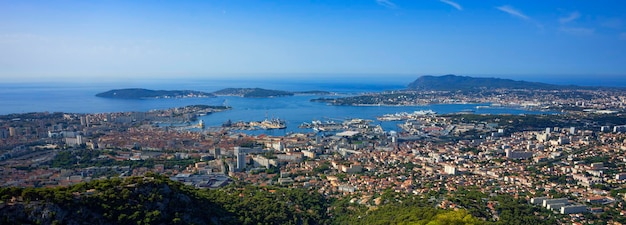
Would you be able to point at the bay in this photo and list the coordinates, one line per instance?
(295, 110)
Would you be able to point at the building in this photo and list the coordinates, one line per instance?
(547, 202)
(597, 165)
(618, 129)
(595, 200)
(290, 157)
(264, 162)
(346, 188)
(555, 206)
(74, 141)
(308, 154)
(351, 169)
(241, 158)
(512, 154)
(4, 133)
(543, 137)
(563, 140)
(278, 146)
(538, 200)
(570, 209)
(449, 169)
(12, 131)
(605, 129)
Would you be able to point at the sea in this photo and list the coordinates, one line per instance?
(79, 97)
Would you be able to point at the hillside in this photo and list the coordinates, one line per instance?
(155, 199)
(140, 93)
(454, 82)
(158, 200)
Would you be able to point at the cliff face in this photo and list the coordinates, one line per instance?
(454, 82)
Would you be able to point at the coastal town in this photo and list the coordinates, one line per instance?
(571, 164)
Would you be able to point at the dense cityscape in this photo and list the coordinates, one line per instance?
(375, 112)
(568, 166)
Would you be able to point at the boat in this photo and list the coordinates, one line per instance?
(273, 124)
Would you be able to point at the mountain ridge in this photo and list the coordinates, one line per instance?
(451, 82)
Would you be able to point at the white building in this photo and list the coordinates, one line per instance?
(449, 169)
(241, 158)
(73, 141)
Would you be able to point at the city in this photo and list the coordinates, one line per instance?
(575, 158)
(376, 112)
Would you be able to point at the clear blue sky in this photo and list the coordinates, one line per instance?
(121, 39)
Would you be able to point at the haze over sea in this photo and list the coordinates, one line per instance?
(80, 98)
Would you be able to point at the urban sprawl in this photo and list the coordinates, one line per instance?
(572, 163)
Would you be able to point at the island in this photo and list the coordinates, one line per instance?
(264, 93)
(140, 93)
(252, 92)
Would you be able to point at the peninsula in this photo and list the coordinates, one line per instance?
(453, 89)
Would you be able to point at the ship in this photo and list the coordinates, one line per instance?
(273, 124)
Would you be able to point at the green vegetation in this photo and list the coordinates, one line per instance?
(137, 200)
(409, 211)
(155, 199)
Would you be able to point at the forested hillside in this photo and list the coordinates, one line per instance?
(155, 199)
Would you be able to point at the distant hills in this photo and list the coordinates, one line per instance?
(453, 82)
(140, 93)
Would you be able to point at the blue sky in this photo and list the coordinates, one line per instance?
(90, 40)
